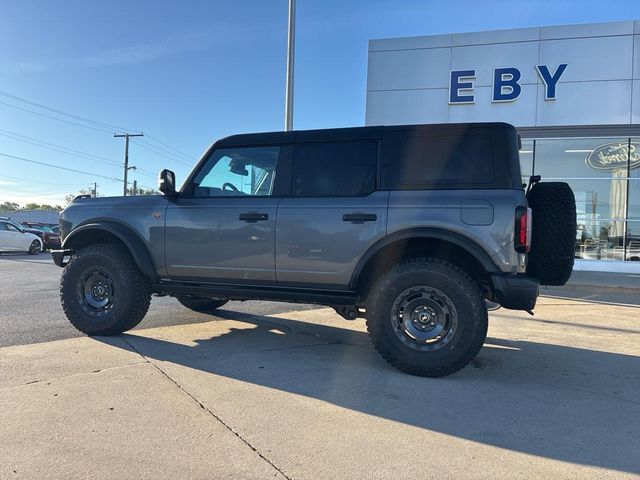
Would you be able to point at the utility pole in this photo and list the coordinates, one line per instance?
(95, 190)
(291, 47)
(126, 155)
(135, 187)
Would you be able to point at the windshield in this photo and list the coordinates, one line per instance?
(16, 224)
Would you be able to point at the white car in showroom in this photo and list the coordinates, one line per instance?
(13, 238)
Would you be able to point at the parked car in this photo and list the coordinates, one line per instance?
(36, 232)
(14, 238)
(50, 237)
(411, 227)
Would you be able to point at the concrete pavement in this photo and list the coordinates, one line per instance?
(303, 395)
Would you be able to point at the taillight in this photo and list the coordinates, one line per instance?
(522, 238)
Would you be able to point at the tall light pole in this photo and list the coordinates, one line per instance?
(291, 47)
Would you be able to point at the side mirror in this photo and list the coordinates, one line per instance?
(167, 183)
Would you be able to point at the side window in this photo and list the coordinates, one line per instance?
(11, 228)
(334, 168)
(238, 172)
(445, 160)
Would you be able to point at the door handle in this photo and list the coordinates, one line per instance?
(359, 217)
(251, 217)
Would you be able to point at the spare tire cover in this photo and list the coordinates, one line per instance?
(553, 235)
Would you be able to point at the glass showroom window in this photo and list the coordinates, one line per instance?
(633, 216)
(597, 170)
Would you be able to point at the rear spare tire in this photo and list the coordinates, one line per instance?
(553, 235)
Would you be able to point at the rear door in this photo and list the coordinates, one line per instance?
(333, 214)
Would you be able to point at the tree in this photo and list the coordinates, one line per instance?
(14, 207)
(41, 206)
(83, 191)
(9, 206)
(142, 191)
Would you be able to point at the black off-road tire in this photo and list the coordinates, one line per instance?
(464, 294)
(553, 235)
(201, 304)
(131, 290)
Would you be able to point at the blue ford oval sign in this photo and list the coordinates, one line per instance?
(613, 155)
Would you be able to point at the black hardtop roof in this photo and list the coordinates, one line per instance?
(357, 133)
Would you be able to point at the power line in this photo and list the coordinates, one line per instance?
(67, 150)
(59, 167)
(60, 112)
(146, 173)
(31, 192)
(56, 118)
(30, 180)
(157, 148)
(169, 147)
(162, 154)
(157, 152)
(83, 184)
(57, 148)
(91, 124)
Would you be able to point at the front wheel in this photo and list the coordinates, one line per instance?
(34, 248)
(427, 317)
(103, 292)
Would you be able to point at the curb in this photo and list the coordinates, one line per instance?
(581, 287)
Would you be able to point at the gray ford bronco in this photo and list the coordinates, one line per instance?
(415, 228)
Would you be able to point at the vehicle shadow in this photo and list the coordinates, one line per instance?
(558, 402)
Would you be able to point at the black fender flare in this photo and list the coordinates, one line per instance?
(426, 233)
(126, 235)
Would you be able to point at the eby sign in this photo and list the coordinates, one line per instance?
(506, 86)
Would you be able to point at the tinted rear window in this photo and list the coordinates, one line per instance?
(445, 159)
(334, 168)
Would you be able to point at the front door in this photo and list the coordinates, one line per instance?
(6, 239)
(11, 238)
(222, 228)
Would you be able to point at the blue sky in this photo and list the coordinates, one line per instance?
(190, 72)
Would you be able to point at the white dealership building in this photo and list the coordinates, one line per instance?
(572, 91)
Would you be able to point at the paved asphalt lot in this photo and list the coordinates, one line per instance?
(275, 391)
(30, 310)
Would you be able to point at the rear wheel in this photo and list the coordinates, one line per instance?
(201, 304)
(102, 290)
(427, 317)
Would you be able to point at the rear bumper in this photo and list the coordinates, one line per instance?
(517, 292)
(59, 256)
